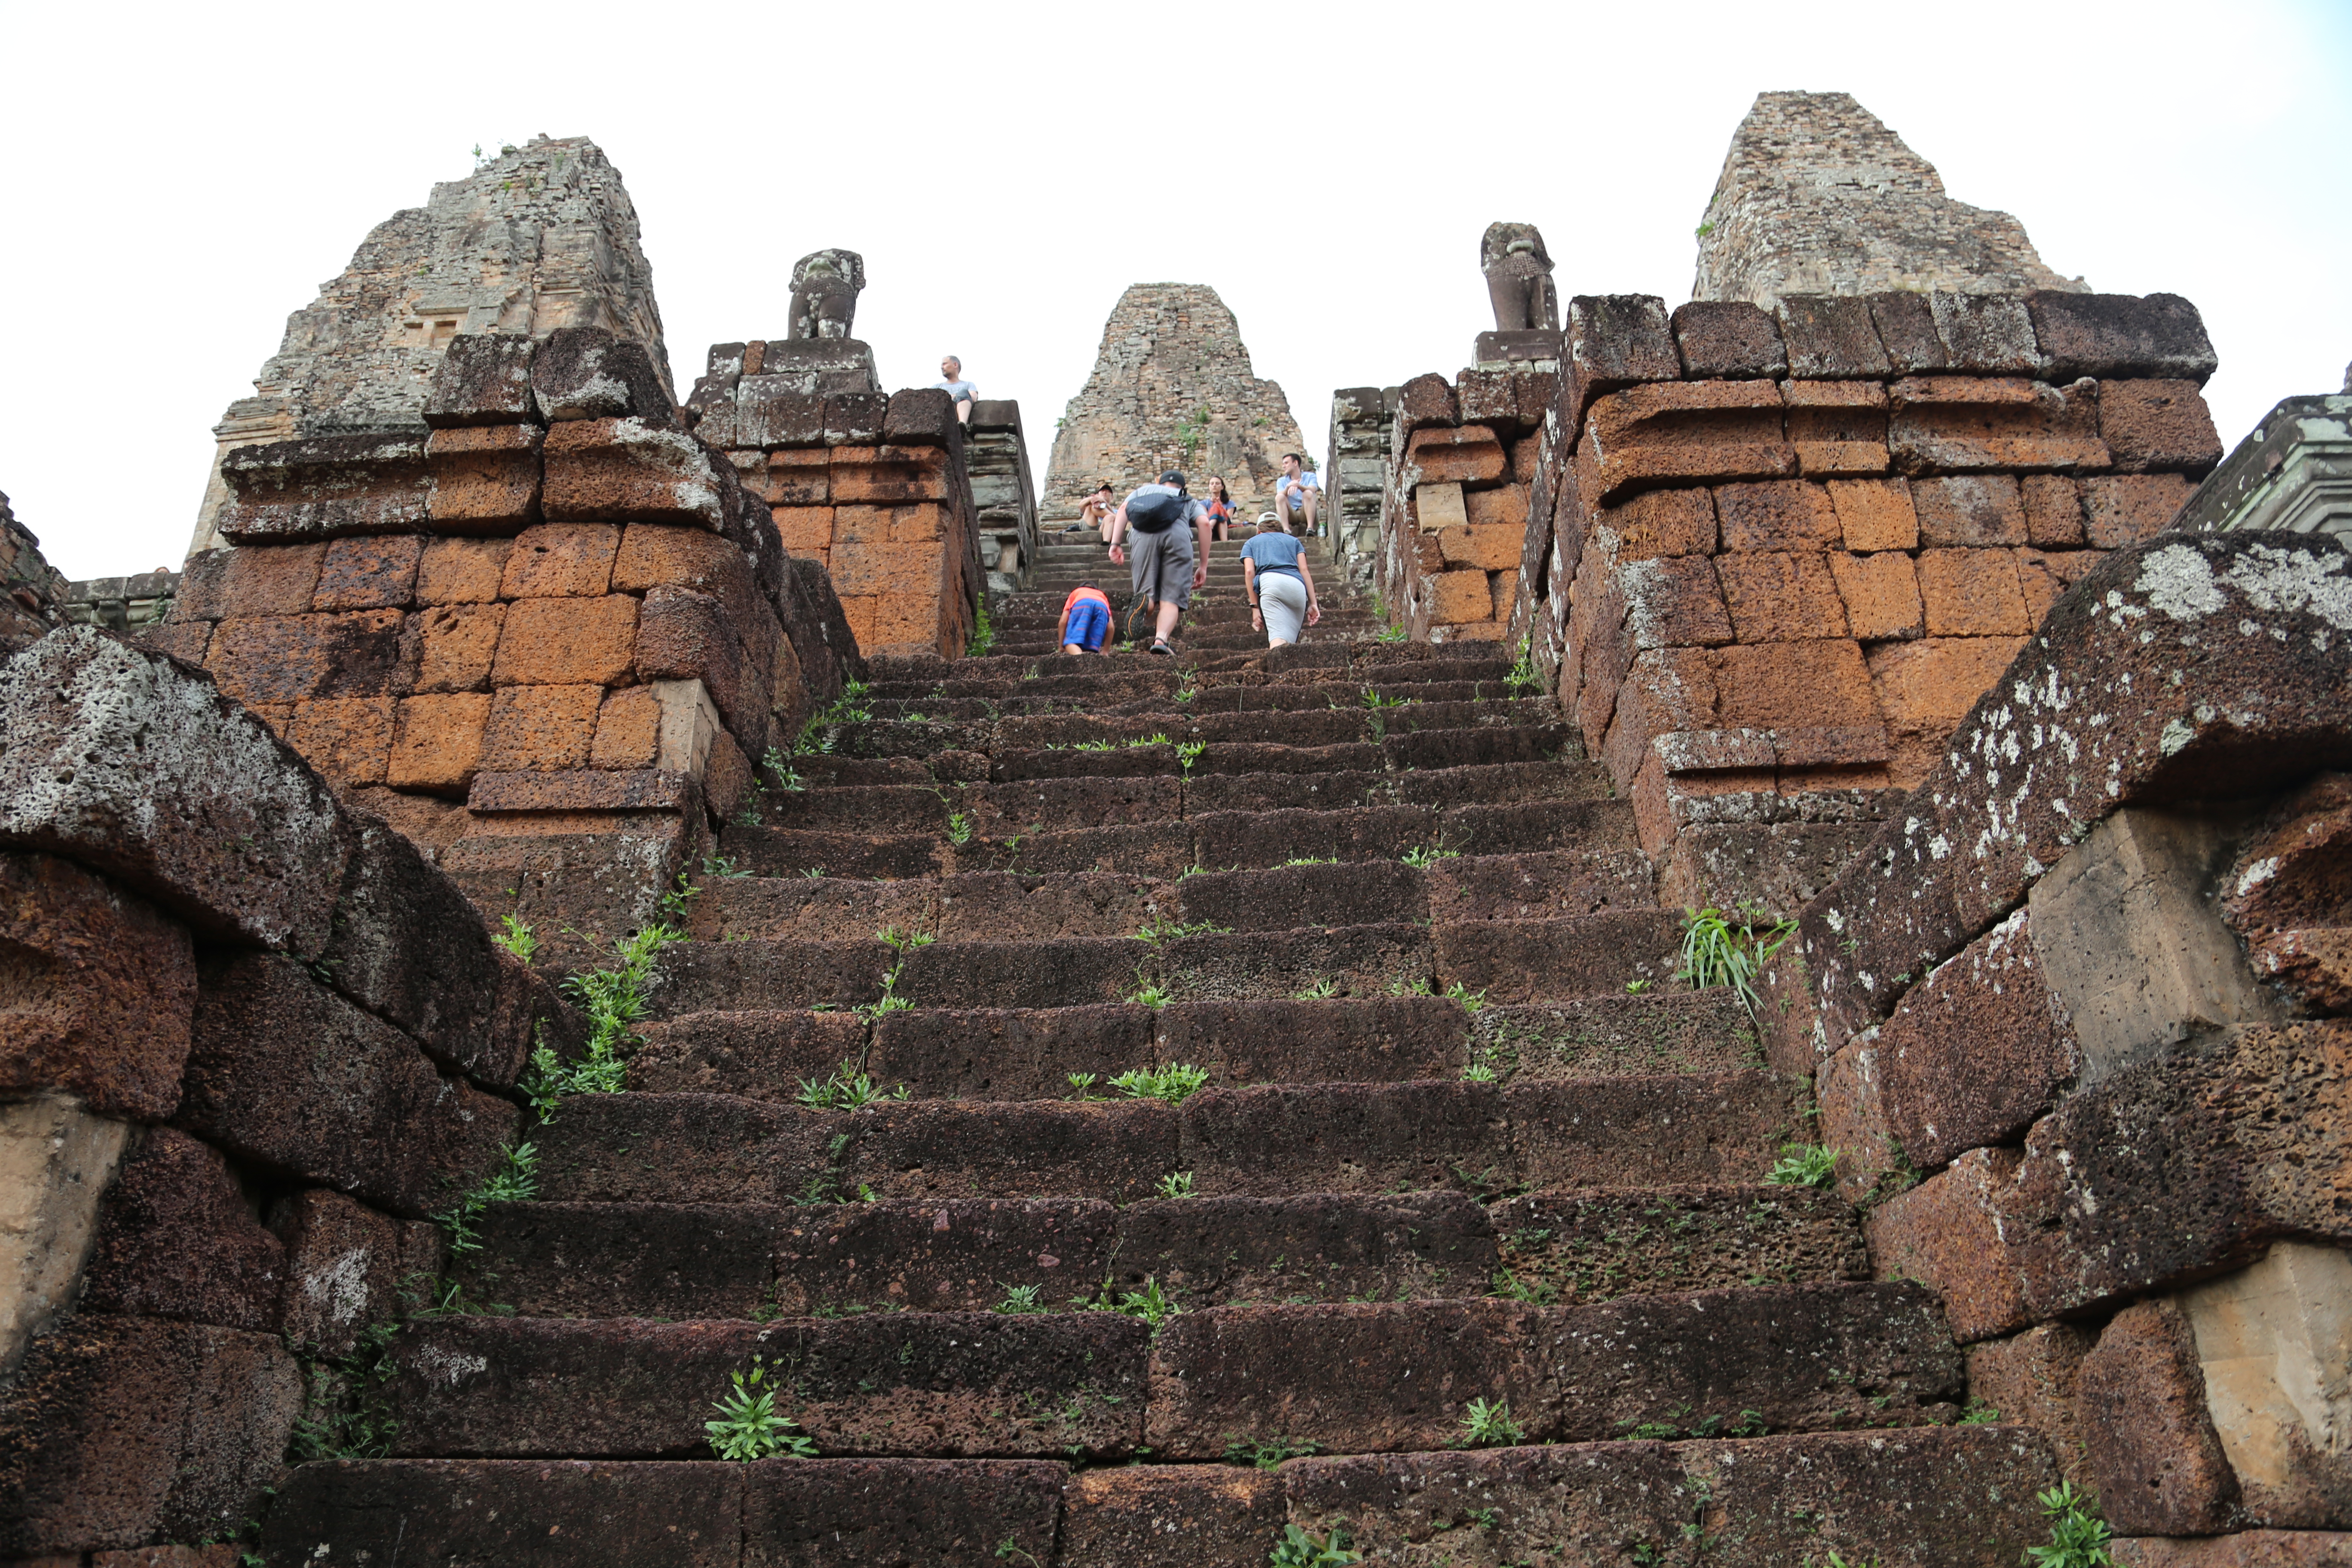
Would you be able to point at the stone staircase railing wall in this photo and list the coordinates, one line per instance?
(1775, 558)
(549, 638)
(996, 456)
(2088, 994)
(253, 1040)
(873, 488)
(1456, 500)
(1356, 478)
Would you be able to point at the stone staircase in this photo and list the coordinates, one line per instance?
(1465, 1213)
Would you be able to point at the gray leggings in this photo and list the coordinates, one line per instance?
(1282, 598)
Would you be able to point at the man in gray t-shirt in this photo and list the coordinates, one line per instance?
(952, 382)
(1166, 567)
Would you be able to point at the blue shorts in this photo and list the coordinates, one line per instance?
(1089, 625)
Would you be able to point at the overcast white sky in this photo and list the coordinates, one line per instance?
(178, 179)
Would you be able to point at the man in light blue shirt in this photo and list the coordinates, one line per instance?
(1298, 495)
(952, 382)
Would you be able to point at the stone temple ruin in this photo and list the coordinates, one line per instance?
(1172, 388)
(570, 1003)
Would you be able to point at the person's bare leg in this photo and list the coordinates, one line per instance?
(1170, 613)
(1311, 509)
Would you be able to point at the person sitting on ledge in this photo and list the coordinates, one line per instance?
(952, 382)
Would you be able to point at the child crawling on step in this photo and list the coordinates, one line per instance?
(1085, 619)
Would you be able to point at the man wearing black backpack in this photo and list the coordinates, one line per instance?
(1166, 566)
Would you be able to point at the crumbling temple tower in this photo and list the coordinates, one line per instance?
(1818, 197)
(1172, 388)
(538, 238)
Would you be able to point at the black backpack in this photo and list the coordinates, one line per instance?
(1157, 513)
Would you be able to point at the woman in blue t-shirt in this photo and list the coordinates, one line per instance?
(1280, 588)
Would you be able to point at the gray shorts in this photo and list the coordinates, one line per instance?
(1161, 565)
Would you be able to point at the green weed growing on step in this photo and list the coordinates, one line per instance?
(1421, 858)
(1082, 1087)
(1006, 1550)
(2078, 1536)
(959, 828)
(1176, 1184)
(1188, 684)
(1151, 739)
(1174, 1083)
(1832, 1559)
(1478, 1072)
(1978, 1413)
(1472, 1001)
(1094, 746)
(1152, 1304)
(1511, 1288)
(515, 1181)
(1804, 1165)
(846, 1088)
(1638, 987)
(1021, 1302)
(1267, 1454)
(1157, 931)
(1190, 752)
(775, 765)
(1417, 986)
(514, 934)
(722, 867)
(676, 902)
(614, 999)
(1525, 679)
(1149, 993)
(1311, 861)
(1486, 1425)
(1323, 988)
(813, 873)
(749, 1427)
(983, 630)
(1297, 1548)
(1721, 949)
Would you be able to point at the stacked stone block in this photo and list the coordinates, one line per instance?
(33, 593)
(1356, 478)
(555, 605)
(872, 487)
(1788, 551)
(2088, 992)
(1460, 472)
(254, 1040)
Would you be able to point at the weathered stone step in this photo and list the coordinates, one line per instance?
(938, 1385)
(1293, 722)
(1015, 1054)
(1375, 660)
(1236, 840)
(1909, 1498)
(667, 1261)
(1269, 1141)
(1587, 955)
(971, 1254)
(1010, 1054)
(1002, 906)
(1147, 785)
(1353, 1377)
